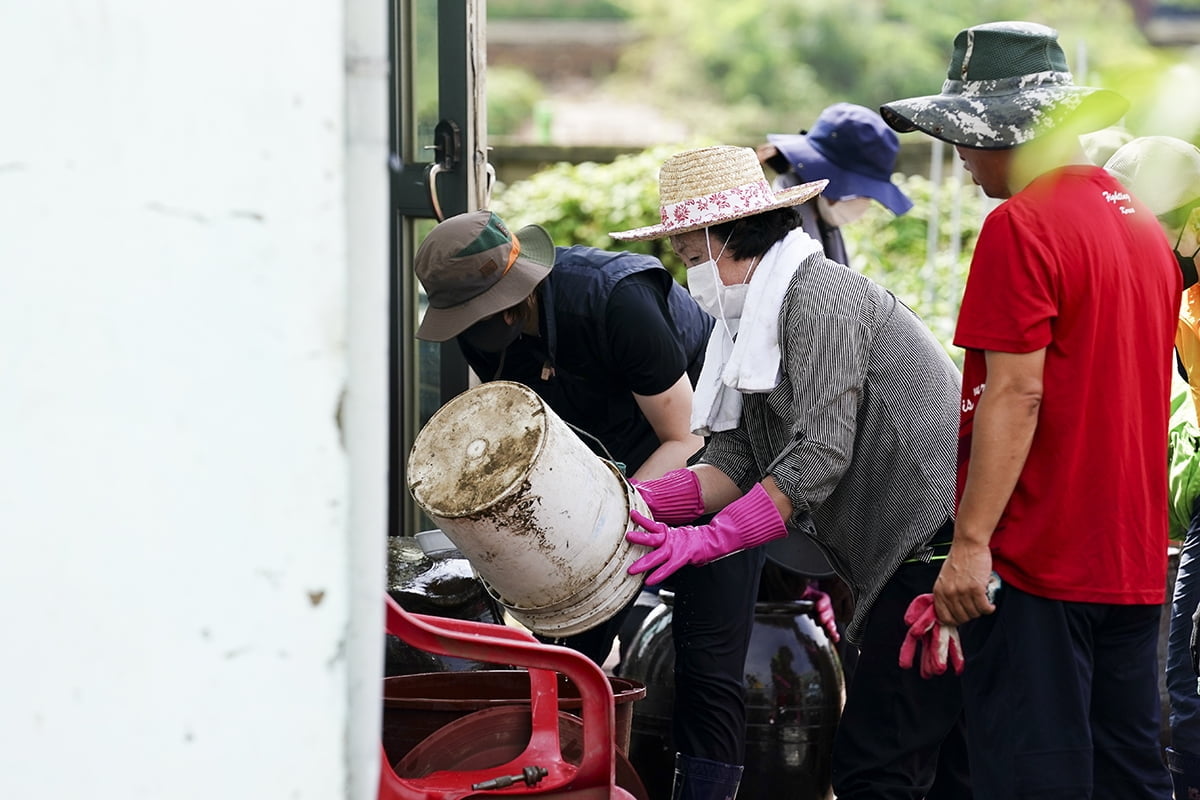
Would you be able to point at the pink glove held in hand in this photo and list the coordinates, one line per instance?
(673, 498)
(945, 648)
(940, 645)
(746, 522)
(824, 607)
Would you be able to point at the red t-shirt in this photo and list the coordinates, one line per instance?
(1074, 265)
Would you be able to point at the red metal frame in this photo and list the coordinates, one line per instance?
(593, 779)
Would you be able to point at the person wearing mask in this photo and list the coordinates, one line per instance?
(829, 408)
(614, 345)
(1164, 173)
(854, 149)
(1068, 322)
(608, 340)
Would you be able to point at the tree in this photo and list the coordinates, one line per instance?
(738, 70)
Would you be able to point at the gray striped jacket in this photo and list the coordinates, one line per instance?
(861, 432)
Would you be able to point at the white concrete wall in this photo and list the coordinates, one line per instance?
(193, 256)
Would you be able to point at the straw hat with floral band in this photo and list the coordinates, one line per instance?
(710, 185)
(472, 266)
(1008, 83)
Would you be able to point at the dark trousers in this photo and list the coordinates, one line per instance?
(711, 625)
(1063, 701)
(899, 731)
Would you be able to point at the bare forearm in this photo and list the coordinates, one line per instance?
(717, 488)
(669, 414)
(672, 454)
(782, 502)
(1003, 431)
(1001, 434)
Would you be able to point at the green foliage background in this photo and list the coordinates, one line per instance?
(733, 70)
(582, 203)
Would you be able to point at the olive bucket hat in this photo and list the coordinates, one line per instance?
(1008, 83)
(472, 266)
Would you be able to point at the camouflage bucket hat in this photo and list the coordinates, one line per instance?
(1008, 83)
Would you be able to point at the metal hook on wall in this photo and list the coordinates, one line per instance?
(431, 182)
(446, 147)
(491, 181)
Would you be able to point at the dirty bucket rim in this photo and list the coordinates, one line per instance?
(540, 407)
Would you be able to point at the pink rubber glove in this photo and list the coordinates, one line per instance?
(750, 520)
(824, 607)
(673, 498)
(940, 645)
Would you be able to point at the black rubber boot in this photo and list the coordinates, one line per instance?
(702, 779)
(1185, 774)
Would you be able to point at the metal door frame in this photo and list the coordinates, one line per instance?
(429, 180)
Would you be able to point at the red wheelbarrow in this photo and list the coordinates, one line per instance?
(541, 769)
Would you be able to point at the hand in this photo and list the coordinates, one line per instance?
(673, 498)
(750, 520)
(824, 608)
(766, 152)
(940, 645)
(961, 590)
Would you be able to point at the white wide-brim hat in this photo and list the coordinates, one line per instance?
(710, 185)
(1161, 171)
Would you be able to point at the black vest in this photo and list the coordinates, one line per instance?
(570, 366)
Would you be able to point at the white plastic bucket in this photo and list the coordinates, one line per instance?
(541, 517)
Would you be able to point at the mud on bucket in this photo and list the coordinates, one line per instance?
(541, 517)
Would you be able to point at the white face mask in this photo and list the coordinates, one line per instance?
(843, 212)
(703, 285)
(704, 282)
(720, 301)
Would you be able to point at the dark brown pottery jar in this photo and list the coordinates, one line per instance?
(794, 697)
(426, 575)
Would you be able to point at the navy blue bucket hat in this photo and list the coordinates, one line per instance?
(851, 147)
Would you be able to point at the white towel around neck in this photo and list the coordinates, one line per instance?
(750, 363)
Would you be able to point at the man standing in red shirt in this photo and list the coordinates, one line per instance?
(1068, 320)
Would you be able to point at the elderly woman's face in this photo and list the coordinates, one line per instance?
(693, 248)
